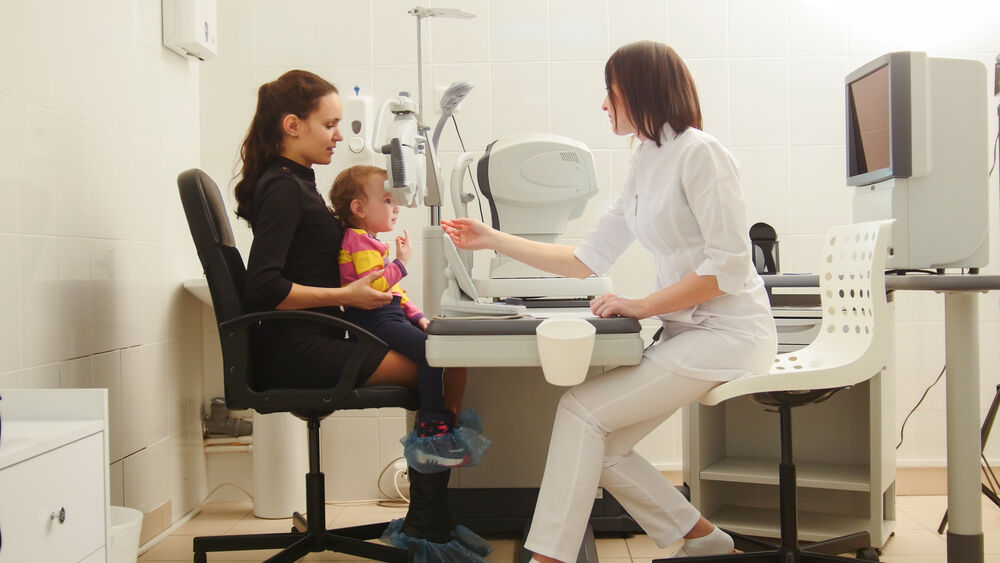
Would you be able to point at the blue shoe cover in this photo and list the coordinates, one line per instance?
(462, 447)
(465, 546)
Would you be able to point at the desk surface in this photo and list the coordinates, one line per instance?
(460, 326)
(461, 342)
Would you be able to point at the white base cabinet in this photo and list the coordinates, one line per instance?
(54, 493)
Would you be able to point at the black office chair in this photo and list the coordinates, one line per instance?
(213, 238)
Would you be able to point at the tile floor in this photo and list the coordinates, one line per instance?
(915, 540)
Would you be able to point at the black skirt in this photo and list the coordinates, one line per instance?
(290, 354)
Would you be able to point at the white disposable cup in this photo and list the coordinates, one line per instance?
(565, 347)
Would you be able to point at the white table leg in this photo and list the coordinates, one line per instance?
(965, 519)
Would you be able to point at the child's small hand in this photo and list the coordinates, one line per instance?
(403, 247)
(423, 323)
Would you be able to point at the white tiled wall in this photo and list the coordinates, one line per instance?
(98, 120)
(769, 72)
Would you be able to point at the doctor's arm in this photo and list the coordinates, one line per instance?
(558, 259)
(689, 292)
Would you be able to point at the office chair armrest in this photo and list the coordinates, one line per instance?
(243, 321)
(366, 340)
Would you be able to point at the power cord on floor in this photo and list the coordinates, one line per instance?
(922, 397)
(219, 486)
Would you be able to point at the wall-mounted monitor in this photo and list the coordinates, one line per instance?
(917, 152)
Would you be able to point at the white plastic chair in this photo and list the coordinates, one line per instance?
(852, 346)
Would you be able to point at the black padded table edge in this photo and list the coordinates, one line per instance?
(457, 326)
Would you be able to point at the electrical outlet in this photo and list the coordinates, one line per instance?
(390, 482)
(403, 481)
(400, 465)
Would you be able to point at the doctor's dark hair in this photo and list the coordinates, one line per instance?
(656, 87)
(296, 92)
(349, 186)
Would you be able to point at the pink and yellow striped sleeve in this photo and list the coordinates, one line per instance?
(361, 253)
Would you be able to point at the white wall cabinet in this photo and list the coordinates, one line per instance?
(54, 493)
(843, 451)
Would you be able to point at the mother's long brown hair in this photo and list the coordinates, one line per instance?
(295, 92)
(656, 86)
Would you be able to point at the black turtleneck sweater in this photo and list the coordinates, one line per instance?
(296, 237)
(296, 240)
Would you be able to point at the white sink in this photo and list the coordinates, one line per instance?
(199, 288)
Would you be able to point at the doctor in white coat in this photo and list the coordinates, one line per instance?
(682, 201)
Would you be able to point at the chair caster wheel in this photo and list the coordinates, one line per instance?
(867, 554)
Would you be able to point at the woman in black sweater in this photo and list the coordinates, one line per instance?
(293, 264)
(293, 258)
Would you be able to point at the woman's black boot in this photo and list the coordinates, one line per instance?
(428, 516)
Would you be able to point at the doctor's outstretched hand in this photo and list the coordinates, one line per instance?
(611, 305)
(468, 234)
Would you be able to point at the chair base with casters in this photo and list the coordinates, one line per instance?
(309, 534)
(789, 550)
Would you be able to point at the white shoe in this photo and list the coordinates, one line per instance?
(715, 542)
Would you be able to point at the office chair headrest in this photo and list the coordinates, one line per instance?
(201, 197)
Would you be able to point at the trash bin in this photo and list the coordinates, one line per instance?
(123, 538)
(280, 463)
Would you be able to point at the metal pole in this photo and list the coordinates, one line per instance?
(420, 73)
(965, 530)
(786, 477)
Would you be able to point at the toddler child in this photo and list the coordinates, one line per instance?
(362, 204)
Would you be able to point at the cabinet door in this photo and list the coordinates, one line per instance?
(64, 484)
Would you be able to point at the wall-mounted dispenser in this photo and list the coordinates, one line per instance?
(190, 27)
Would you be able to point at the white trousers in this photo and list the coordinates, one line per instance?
(597, 425)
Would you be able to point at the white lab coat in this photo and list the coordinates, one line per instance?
(682, 201)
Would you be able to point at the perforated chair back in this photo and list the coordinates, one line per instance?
(853, 342)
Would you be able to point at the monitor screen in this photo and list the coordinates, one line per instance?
(869, 102)
(879, 98)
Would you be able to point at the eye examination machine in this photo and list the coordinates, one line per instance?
(533, 184)
(915, 153)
